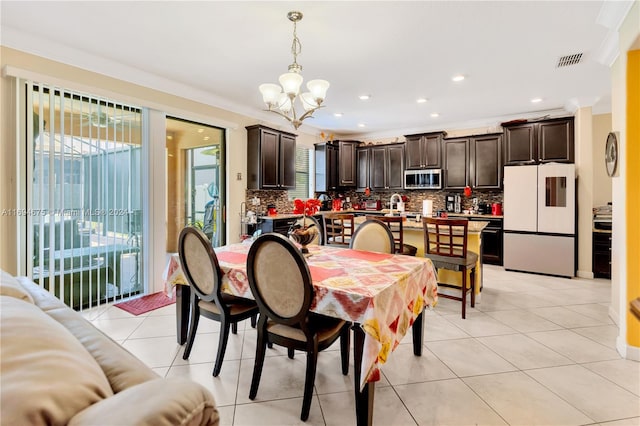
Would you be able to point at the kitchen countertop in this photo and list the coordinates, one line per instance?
(412, 225)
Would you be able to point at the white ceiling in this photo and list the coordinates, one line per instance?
(218, 53)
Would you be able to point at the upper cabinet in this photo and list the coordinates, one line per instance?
(347, 168)
(485, 167)
(423, 151)
(456, 163)
(336, 165)
(271, 158)
(362, 161)
(539, 142)
(386, 167)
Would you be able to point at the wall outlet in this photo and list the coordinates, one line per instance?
(255, 201)
(239, 176)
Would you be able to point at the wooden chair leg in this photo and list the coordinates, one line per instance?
(222, 347)
(291, 353)
(254, 320)
(261, 347)
(464, 293)
(345, 337)
(309, 380)
(193, 326)
(234, 328)
(473, 288)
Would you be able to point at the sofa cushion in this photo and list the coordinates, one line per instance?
(10, 286)
(160, 402)
(47, 374)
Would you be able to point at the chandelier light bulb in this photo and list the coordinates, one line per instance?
(291, 83)
(318, 89)
(308, 101)
(270, 93)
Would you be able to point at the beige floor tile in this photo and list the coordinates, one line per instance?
(593, 310)
(592, 394)
(520, 400)
(281, 378)
(277, 413)
(446, 402)
(524, 321)
(478, 324)
(154, 351)
(223, 387)
(468, 357)
(574, 346)
(205, 349)
(118, 328)
(604, 334)
(623, 372)
(566, 317)
(438, 328)
(634, 421)
(524, 352)
(404, 367)
(226, 415)
(338, 409)
(165, 310)
(156, 326)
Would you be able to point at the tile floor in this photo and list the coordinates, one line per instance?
(536, 350)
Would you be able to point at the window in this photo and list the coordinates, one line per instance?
(302, 174)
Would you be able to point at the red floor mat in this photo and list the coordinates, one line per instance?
(146, 303)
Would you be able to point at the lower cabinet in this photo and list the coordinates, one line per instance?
(602, 254)
(279, 225)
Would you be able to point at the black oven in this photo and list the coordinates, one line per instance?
(492, 240)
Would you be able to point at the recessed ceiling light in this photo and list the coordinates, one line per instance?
(200, 130)
(170, 137)
(421, 100)
(458, 77)
(435, 114)
(361, 125)
(364, 97)
(337, 114)
(536, 100)
(206, 138)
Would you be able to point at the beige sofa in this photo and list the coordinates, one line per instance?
(56, 368)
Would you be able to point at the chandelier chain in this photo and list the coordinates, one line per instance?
(296, 48)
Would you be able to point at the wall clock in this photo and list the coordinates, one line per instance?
(611, 154)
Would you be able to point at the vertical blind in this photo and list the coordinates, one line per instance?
(84, 196)
(302, 174)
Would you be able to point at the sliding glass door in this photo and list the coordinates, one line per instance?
(84, 196)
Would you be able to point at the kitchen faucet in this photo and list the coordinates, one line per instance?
(391, 202)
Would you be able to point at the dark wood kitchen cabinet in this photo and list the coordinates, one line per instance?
(485, 166)
(539, 142)
(456, 163)
(326, 170)
(362, 163)
(386, 167)
(423, 151)
(601, 252)
(347, 168)
(271, 158)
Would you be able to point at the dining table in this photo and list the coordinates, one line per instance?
(382, 295)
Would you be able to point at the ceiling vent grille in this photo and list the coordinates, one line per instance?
(568, 60)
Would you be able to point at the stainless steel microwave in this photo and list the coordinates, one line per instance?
(423, 179)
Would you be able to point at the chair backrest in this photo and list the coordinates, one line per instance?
(279, 279)
(445, 237)
(373, 235)
(338, 228)
(394, 223)
(200, 264)
(309, 221)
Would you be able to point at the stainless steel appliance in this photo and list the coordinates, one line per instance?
(540, 219)
(453, 203)
(423, 179)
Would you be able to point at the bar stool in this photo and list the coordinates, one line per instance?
(394, 223)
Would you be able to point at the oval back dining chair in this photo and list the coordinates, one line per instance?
(395, 224)
(445, 243)
(373, 235)
(202, 272)
(312, 221)
(281, 284)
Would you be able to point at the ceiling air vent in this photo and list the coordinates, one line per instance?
(568, 60)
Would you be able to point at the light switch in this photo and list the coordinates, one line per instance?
(239, 176)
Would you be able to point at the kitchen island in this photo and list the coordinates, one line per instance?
(414, 235)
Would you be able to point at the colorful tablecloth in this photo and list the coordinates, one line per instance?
(383, 293)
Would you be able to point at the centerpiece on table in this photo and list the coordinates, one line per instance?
(305, 233)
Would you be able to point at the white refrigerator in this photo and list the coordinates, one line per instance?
(540, 219)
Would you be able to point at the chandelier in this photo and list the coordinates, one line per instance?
(281, 99)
